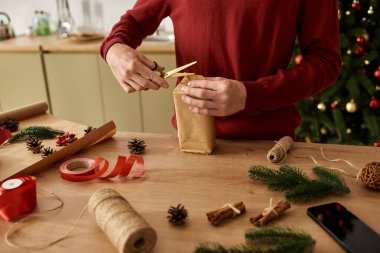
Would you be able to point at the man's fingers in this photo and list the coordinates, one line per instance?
(205, 84)
(127, 87)
(147, 73)
(147, 62)
(200, 103)
(203, 111)
(201, 93)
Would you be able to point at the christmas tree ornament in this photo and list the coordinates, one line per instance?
(351, 106)
(308, 139)
(359, 51)
(377, 144)
(39, 132)
(324, 131)
(367, 62)
(47, 152)
(374, 103)
(227, 211)
(356, 6)
(270, 213)
(298, 59)
(136, 146)
(266, 240)
(33, 144)
(177, 215)
(334, 104)
(348, 13)
(296, 185)
(9, 124)
(4, 135)
(65, 139)
(348, 131)
(360, 41)
(349, 51)
(377, 73)
(377, 88)
(321, 106)
(370, 175)
(89, 129)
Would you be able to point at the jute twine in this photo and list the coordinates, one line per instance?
(125, 228)
(370, 175)
(279, 152)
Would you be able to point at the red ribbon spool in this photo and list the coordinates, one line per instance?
(17, 196)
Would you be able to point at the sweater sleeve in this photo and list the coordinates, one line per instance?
(142, 20)
(318, 35)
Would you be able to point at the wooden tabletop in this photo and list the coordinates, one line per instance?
(200, 182)
(55, 44)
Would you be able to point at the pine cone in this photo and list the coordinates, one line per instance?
(89, 130)
(177, 215)
(136, 146)
(34, 145)
(9, 124)
(47, 151)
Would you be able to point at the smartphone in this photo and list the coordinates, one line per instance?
(348, 230)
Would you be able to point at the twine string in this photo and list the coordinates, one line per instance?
(23, 222)
(270, 209)
(236, 211)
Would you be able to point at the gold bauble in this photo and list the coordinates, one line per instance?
(308, 139)
(370, 175)
(321, 106)
(348, 131)
(351, 106)
(324, 131)
(377, 87)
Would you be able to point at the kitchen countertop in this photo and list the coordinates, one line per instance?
(55, 44)
(200, 182)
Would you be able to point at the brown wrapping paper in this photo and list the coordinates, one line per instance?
(25, 111)
(196, 133)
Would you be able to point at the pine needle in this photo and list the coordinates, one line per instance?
(39, 132)
(296, 185)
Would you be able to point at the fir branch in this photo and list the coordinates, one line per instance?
(39, 132)
(266, 240)
(297, 186)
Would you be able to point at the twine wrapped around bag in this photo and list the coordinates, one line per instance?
(125, 228)
(196, 132)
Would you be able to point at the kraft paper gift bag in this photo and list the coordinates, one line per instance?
(196, 133)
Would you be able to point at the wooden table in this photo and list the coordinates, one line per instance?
(200, 182)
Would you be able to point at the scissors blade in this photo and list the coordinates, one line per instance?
(174, 71)
(182, 74)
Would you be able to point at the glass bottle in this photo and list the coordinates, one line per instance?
(65, 20)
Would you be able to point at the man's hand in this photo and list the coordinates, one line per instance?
(133, 70)
(215, 96)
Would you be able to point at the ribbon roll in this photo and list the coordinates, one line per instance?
(122, 168)
(17, 196)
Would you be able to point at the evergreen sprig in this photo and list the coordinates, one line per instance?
(39, 132)
(296, 185)
(266, 240)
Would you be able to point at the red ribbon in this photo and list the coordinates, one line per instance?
(4, 135)
(17, 196)
(122, 168)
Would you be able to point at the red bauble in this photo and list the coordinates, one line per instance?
(298, 59)
(360, 41)
(359, 51)
(374, 103)
(334, 105)
(357, 6)
(377, 144)
(377, 73)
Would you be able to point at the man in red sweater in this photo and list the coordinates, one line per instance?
(243, 48)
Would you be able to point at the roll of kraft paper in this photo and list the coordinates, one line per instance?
(17, 196)
(25, 111)
(125, 228)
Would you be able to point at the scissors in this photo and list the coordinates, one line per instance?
(175, 72)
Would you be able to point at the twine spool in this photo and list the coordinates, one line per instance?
(125, 228)
(370, 175)
(278, 153)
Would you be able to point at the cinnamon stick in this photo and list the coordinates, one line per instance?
(270, 213)
(225, 212)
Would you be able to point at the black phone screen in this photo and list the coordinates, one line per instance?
(350, 232)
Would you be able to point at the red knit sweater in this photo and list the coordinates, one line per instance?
(250, 41)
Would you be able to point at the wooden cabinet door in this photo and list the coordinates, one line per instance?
(74, 87)
(21, 80)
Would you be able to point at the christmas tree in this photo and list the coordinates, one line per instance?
(348, 111)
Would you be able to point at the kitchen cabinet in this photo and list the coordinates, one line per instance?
(21, 80)
(74, 87)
